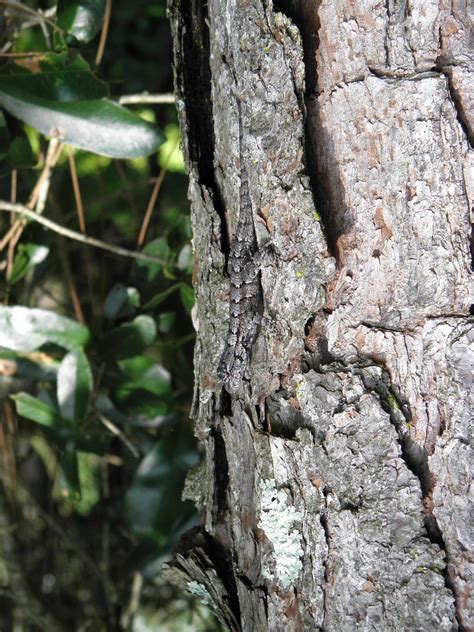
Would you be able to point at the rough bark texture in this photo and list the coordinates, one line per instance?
(334, 492)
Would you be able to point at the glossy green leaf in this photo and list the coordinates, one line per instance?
(158, 248)
(56, 77)
(20, 154)
(25, 329)
(4, 137)
(153, 505)
(81, 18)
(161, 296)
(165, 321)
(187, 296)
(144, 373)
(36, 410)
(64, 100)
(121, 301)
(70, 483)
(186, 259)
(102, 127)
(129, 339)
(28, 256)
(74, 385)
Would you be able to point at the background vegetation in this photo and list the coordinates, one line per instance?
(95, 347)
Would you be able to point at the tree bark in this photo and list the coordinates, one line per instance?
(334, 490)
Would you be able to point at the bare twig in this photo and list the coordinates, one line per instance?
(71, 285)
(104, 32)
(84, 239)
(37, 197)
(153, 197)
(118, 433)
(77, 191)
(132, 99)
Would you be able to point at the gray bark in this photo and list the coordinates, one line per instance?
(334, 491)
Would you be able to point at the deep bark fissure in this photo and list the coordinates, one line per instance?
(305, 17)
(416, 459)
(195, 48)
(414, 456)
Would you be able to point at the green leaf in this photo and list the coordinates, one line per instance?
(70, 483)
(165, 321)
(74, 386)
(82, 19)
(28, 256)
(4, 137)
(34, 409)
(187, 296)
(20, 154)
(153, 505)
(102, 127)
(145, 374)
(25, 329)
(161, 296)
(186, 259)
(121, 301)
(57, 77)
(129, 339)
(158, 248)
(64, 100)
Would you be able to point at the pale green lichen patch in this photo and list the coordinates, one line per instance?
(200, 592)
(277, 518)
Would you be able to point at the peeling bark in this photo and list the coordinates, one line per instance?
(334, 489)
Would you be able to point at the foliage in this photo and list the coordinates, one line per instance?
(95, 352)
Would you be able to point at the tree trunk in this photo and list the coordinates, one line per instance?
(334, 487)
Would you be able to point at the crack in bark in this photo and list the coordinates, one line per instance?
(323, 518)
(414, 456)
(192, 16)
(416, 459)
(305, 17)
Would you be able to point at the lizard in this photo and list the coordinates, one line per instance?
(244, 263)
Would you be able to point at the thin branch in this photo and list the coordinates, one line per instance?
(104, 32)
(118, 433)
(84, 239)
(131, 99)
(77, 191)
(71, 285)
(153, 198)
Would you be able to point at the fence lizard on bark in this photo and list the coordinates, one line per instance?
(245, 260)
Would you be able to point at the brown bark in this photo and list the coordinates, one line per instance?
(334, 489)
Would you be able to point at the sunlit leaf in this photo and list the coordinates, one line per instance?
(36, 410)
(74, 385)
(145, 374)
(129, 339)
(28, 256)
(64, 100)
(187, 296)
(121, 301)
(81, 18)
(158, 248)
(25, 329)
(186, 259)
(165, 321)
